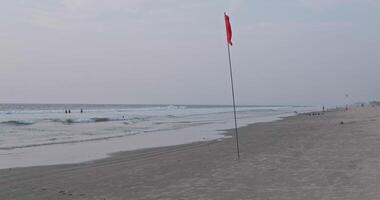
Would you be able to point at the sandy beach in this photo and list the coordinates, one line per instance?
(301, 157)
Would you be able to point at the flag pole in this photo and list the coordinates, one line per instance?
(233, 102)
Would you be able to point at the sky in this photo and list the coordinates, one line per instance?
(298, 52)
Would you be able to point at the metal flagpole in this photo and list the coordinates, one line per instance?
(233, 101)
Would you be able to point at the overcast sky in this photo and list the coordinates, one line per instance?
(171, 51)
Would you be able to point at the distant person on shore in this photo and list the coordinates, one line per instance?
(69, 111)
(323, 109)
(81, 110)
(66, 111)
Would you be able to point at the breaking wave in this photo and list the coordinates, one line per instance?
(17, 122)
(85, 120)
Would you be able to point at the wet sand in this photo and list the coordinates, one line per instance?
(301, 157)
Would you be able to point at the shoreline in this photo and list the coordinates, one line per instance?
(88, 151)
(300, 157)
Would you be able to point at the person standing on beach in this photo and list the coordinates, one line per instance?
(81, 110)
(69, 111)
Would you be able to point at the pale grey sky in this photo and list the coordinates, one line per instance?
(170, 51)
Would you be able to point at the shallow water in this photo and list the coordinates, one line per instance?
(41, 134)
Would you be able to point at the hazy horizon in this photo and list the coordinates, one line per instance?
(164, 104)
(298, 52)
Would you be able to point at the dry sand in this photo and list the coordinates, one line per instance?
(302, 157)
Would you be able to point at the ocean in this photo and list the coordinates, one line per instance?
(44, 134)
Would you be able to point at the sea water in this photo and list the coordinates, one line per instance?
(44, 134)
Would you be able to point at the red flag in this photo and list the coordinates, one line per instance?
(228, 29)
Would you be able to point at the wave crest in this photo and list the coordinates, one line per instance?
(17, 122)
(84, 120)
